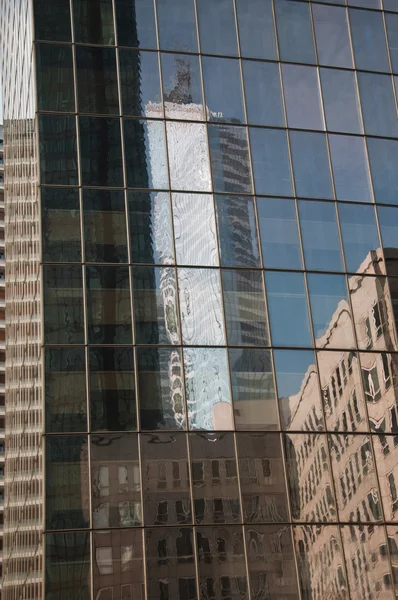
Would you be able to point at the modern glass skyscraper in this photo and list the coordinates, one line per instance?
(202, 297)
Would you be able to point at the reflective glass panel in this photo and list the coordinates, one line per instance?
(60, 213)
(177, 25)
(350, 168)
(390, 5)
(360, 237)
(280, 243)
(340, 101)
(55, 86)
(105, 234)
(237, 233)
(392, 36)
(383, 157)
(271, 164)
(256, 29)
(294, 31)
(93, 21)
(108, 305)
(63, 305)
(223, 89)
(214, 478)
(253, 391)
(165, 479)
(386, 461)
(229, 156)
(263, 93)
(52, 20)
(182, 86)
(188, 156)
(145, 148)
(155, 305)
(112, 389)
(379, 379)
(57, 150)
(332, 36)
(378, 104)
(65, 390)
(195, 229)
(136, 23)
(320, 236)
(67, 482)
(151, 238)
(202, 320)
(300, 405)
(331, 315)
(139, 82)
(368, 40)
(68, 566)
(302, 96)
(97, 80)
(311, 164)
(244, 306)
(217, 29)
(115, 481)
(288, 309)
(207, 389)
(388, 222)
(101, 152)
(160, 388)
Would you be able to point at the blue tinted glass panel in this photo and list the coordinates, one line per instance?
(136, 23)
(142, 170)
(332, 37)
(139, 81)
(182, 86)
(280, 243)
(383, 157)
(392, 37)
(378, 104)
(294, 31)
(223, 89)
(302, 97)
(237, 233)
(320, 236)
(311, 165)
(256, 29)
(229, 157)
(271, 164)
(350, 168)
(177, 25)
(388, 221)
(390, 5)
(340, 101)
(217, 29)
(263, 93)
(369, 40)
(360, 236)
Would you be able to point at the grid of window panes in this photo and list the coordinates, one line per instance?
(218, 181)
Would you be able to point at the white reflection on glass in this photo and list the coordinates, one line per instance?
(188, 156)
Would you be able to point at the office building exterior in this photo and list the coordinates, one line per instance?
(202, 297)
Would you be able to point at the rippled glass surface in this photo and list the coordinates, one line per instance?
(188, 156)
(237, 235)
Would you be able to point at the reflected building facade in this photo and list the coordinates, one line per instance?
(202, 267)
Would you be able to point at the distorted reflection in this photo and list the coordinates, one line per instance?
(379, 378)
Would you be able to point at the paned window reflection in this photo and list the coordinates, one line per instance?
(57, 150)
(280, 243)
(60, 212)
(217, 28)
(320, 236)
(177, 25)
(229, 157)
(136, 23)
(223, 89)
(350, 168)
(256, 29)
(52, 20)
(368, 40)
(101, 152)
(139, 82)
(63, 303)
(93, 21)
(378, 104)
(332, 35)
(188, 156)
(360, 237)
(341, 101)
(379, 379)
(383, 156)
(55, 85)
(385, 450)
(262, 80)
(68, 565)
(311, 164)
(294, 31)
(271, 163)
(182, 86)
(143, 141)
(237, 235)
(302, 96)
(96, 80)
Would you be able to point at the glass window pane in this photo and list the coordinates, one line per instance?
(294, 31)
(288, 309)
(237, 233)
(378, 104)
(331, 315)
(253, 391)
(68, 566)
(177, 25)
(139, 82)
(383, 448)
(145, 148)
(360, 237)
(368, 40)
(93, 21)
(63, 305)
(332, 37)
(311, 164)
(155, 305)
(244, 306)
(112, 389)
(202, 321)
(350, 168)
(320, 236)
(136, 23)
(366, 3)
(263, 93)
(165, 479)
(108, 305)
(392, 36)
(151, 236)
(271, 163)
(300, 404)
(262, 481)
(280, 243)
(55, 86)
(390, 5)
(160, 388)
(188, 156)
(383, 157)
(307, 449)
(101, 153)
(215, 478)
(256, 29)
(105, 226)
(217, 29)
(340, 101)
(57, 149)
(379, 380)
(182, 86)
(52, 20)
(207, 389)
(97, 80)
(388, 221)
(65, 390)
(195, 229)
(60, 213)
(115, 481)
(223, 89)
(229, 155)
(302, 97)
(67, 482)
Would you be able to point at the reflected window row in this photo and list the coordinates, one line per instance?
(304, 561)
(168, 479)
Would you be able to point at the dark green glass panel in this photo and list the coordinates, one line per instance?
(55, 86)
(57, 148)
(52, 20)
(93, 20)
(97, 80)
(101, 152)
(68, 566)
(60, 213)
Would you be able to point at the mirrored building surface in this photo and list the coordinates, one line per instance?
(202, 299)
